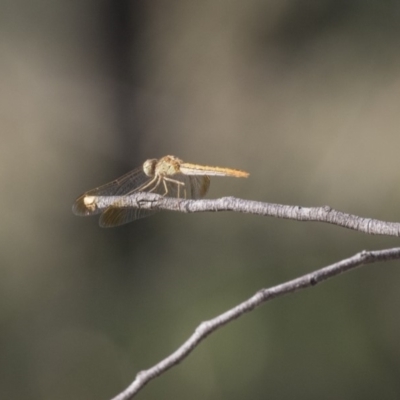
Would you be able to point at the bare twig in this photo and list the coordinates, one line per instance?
(151, 201)
(262, 296)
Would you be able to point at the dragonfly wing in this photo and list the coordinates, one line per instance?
(124, 185)
(118, 214)
(182, 186)
(115, 216)
(199, 186)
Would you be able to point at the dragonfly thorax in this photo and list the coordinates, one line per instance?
(168, 166)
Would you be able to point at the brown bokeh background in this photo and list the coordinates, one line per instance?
(304, 95)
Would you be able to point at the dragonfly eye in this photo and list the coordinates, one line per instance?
(149, 167)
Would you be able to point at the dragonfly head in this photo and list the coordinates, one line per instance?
(149, 167)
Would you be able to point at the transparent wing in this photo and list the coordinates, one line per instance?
(126, 184)
(199, 186)
(115, 216)
(181, 186)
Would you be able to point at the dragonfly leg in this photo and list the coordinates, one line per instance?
(165, 188)
(176, 182)
(184, 190)
(144, 186)
(159, 179)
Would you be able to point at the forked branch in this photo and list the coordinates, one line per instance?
(262, 296)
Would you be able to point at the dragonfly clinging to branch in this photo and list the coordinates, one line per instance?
(168, 176)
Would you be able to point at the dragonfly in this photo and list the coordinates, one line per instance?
(168, 176)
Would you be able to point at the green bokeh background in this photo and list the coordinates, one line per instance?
(302, 94)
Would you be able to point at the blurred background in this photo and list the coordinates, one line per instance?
(302, 94)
